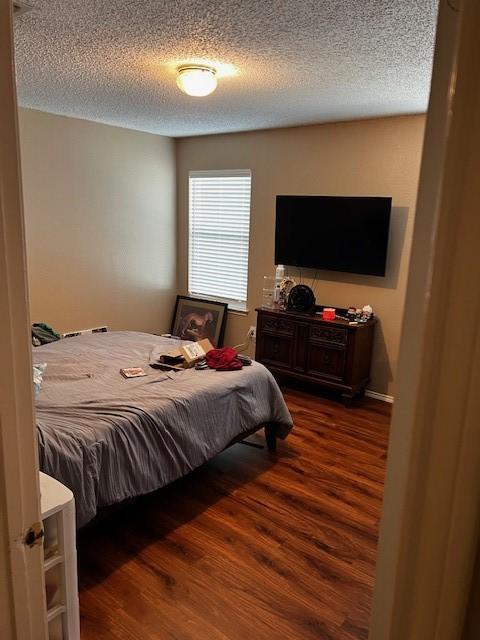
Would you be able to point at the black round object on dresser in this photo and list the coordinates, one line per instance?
(301, 299)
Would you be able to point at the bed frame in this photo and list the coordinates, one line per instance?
(271, 434)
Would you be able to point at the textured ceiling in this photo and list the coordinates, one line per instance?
(283, 63)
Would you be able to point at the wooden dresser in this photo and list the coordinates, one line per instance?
(329, 353)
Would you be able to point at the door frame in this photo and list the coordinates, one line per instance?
(432, 491)
(431, 515)
(22, 593)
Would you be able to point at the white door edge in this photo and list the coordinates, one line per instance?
(22, 598)
(430, 522)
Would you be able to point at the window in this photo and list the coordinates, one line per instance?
(219, 232)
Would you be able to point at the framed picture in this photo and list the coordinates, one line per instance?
(196, 319)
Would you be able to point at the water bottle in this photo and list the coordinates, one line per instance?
(279, 275)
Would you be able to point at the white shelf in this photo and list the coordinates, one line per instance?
(54, 496)
(58, 515)
(54, 612)
(52, 562)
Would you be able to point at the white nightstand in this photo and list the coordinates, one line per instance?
(60, 559)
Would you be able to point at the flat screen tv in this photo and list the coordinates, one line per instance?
(333, 233)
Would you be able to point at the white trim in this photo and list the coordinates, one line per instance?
(379, 396)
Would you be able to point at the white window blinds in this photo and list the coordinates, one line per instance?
(219, 232)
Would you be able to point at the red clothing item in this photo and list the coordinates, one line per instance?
(224, 359)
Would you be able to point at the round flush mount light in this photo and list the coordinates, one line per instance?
(196, 80)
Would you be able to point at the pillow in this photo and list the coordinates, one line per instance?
(38, 370)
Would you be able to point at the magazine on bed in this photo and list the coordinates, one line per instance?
(133, 372)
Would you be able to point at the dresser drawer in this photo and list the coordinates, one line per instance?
(326, 362)
(330, 335)
(276, 350)
(272, 325)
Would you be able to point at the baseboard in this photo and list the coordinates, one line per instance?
(379, 396)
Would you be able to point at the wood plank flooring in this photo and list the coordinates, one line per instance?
(252, 546)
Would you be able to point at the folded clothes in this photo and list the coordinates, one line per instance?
(224, 359)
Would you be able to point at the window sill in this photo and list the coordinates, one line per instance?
(238, 312)
(230, 305)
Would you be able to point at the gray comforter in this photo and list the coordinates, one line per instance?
(108, 438)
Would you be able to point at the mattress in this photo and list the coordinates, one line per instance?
(109, 438)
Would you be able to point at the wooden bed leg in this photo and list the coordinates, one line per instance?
(271, 437)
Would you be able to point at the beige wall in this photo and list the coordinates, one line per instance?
(100, 223)
(371, 157)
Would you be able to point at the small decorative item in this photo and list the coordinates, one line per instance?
(352, 314)
(196, 319)
(286, 286)
(328, 313)
(367, 313)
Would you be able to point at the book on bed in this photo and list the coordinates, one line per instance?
(133, 372)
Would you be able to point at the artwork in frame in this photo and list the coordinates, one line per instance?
(196, 319)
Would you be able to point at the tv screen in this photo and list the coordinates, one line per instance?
(333, 233)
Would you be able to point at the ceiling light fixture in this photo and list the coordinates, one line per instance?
(195, 80)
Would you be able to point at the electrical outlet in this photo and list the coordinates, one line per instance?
(252, 332)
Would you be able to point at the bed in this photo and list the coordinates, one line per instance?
(109, 439)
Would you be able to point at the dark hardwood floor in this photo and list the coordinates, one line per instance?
(252, 546)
